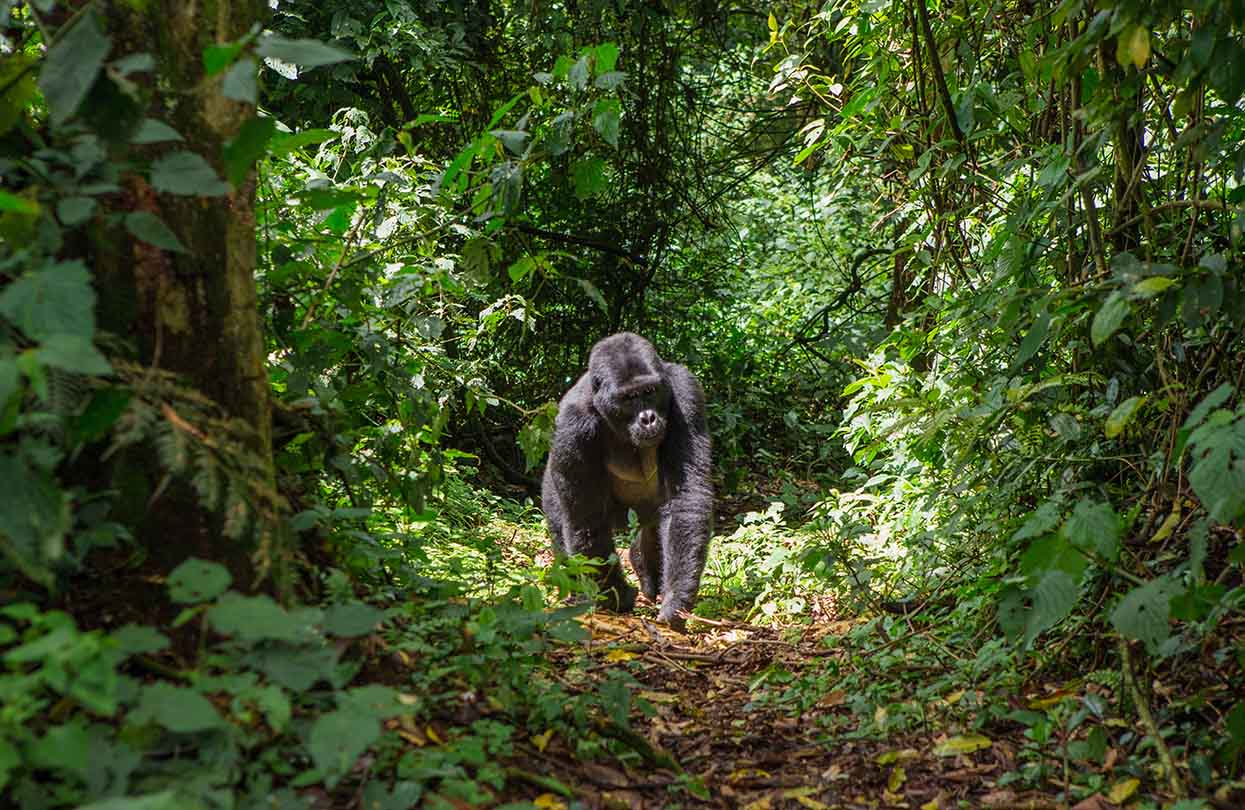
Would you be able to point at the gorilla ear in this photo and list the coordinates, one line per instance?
(596, 383)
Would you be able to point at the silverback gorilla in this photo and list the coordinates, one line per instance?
(631, 434)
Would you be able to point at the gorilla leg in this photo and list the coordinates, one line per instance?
(616, 593)
(646, 560)
(684, 546)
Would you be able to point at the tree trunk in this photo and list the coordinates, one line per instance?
(195, 314)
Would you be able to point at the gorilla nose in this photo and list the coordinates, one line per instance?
(648, 418)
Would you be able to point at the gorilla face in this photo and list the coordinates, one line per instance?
(630, 389)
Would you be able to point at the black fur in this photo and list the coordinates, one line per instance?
(630, 405)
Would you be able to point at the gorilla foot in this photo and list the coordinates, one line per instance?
(673, 617)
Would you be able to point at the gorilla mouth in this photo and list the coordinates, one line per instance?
(644, 438)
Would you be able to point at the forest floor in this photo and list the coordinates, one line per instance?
(735, 752)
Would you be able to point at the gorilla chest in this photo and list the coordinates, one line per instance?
(634, 477)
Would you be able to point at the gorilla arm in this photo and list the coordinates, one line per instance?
(577, 492)
(686, 519)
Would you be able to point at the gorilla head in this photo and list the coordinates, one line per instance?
(629, 389)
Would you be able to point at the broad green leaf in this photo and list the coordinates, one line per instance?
(165, 800)
(73, 211)
(1054, 594)
(218, 57)
(1108, 319)
(606, 57)
(151, 229)
(247, 147)
(154, 131)
(73, 353)
(18, 204)
(1143, 613)
(1218, 471)
(1122, 416)
(34, 517)
(196, 581)
(307, 53)
(9, 379)
(53, 300)
(1152, 286)
(521, 269)
(589, 177)
(605, 117)
(73, 62)
(1211, 401)
(350, 620)
(592, 292)
(257, 618)
(372, 700)
(241, 83)
(337, 740)
(1033, 338)
(136, 639)
(1132, 47)
(1094, 527)
(10, 758)
(101, 413)
(274, 703)
(186, 174)
(179, 709)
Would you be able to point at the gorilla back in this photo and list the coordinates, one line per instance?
(631, 434)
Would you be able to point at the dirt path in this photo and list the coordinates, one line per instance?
(739, 747)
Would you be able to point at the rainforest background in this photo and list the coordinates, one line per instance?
(288, 291)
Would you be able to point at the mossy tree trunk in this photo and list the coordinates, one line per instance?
(194, 313)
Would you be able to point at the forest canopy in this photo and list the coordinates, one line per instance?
(290, 291)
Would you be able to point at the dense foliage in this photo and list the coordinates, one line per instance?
(288, 291)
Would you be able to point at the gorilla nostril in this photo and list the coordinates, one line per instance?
(648, 418)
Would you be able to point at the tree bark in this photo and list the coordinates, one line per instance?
(195, 314)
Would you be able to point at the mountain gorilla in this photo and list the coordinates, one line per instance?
(631, 434)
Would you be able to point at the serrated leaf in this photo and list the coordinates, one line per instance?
(257, 618)
(196, 581)
(1122, 416)
(1143, 613)
(186, 174)
(153, 131)
(1211, 401)
(73, 211)
(1094, 527)
(136, 639)
(73, 353)
(151, 229)
(605, 120)
(54, 299)
(72, 64)
(1109, 317)
(337, 740)
(965, 744)
(179, 709)
(350, 620)
(307, 53)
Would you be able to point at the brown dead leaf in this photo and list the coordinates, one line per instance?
(1094, 802)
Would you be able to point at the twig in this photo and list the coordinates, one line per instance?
(1147, 720)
